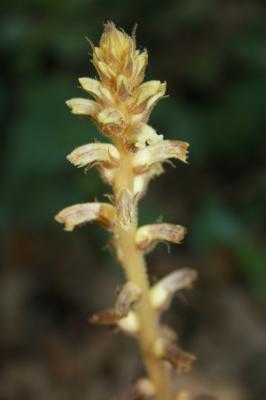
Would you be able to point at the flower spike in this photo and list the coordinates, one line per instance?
(120, 105)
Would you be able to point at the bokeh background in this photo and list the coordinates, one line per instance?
(213, 56)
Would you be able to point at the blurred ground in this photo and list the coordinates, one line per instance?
(212, 55)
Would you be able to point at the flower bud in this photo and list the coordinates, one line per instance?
(162, 292)
(159, 152)
(114, 47)
(79, 214)
(117, 55)
(95, 153)
(148, 235)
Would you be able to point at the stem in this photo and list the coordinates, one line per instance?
(135, 270)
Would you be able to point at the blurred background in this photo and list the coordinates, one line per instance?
(212, 55)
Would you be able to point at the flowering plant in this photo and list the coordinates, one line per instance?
(120, 108)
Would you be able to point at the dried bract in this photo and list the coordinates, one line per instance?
(125, 207)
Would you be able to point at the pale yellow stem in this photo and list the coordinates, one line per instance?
(135, 269)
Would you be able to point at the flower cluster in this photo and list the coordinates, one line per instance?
(122, 103)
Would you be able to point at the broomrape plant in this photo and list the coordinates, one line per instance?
(120, 108)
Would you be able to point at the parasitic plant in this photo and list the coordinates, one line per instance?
(120, 108)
